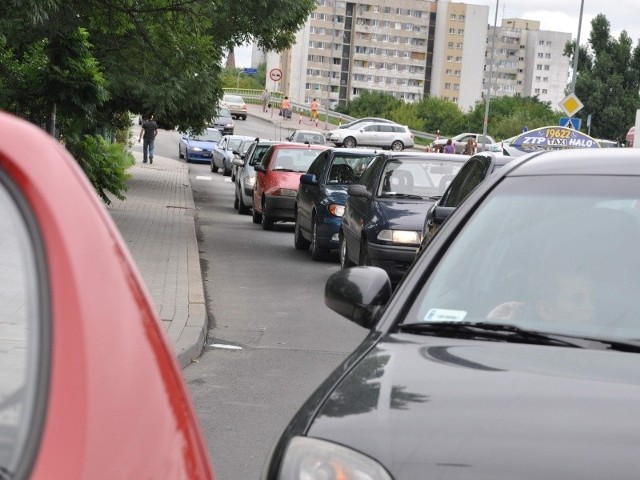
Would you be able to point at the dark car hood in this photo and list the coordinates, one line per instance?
(401, 214)
(429, 407)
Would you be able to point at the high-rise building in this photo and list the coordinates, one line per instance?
(527, 61)
(411, 49)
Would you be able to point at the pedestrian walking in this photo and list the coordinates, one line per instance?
(148, 133)
(285, 108)
(266, 96)
(470, 147)
(449, 147)
(314, 109)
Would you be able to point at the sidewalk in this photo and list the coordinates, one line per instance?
(157, 222)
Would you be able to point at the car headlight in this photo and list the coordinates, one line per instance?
(195, 149)
(400, 237)
(336, 210)
(311, 458)
(230, 124)
(286, 192)
(249, 181)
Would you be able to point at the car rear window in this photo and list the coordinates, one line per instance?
(292, 159)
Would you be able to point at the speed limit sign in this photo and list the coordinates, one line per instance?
(275, 74)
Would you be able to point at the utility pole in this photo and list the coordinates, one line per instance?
(487, 98)
(576, 52)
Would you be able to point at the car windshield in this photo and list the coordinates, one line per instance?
(346, 169)
(294, 160)
(234, 144)
(233, 99)
(208, 136)
(315, 138)
(549, 254)
(418, 177)
(223, 112)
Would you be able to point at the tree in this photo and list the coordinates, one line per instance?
(608, 80)
(82, 65)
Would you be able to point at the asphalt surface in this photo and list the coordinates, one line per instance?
(156, 220)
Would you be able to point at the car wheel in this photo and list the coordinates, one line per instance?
(236, 202)
(242, 208)
(257, 216)
(226, 171)
(317, 252)
(214, 169)
(344, 254)
(349, 142)
(299, 241)
(180, 155)
(365, 259)
(244, 117)
(397, 146)
(267, 221)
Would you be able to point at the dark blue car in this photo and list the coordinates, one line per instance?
(322, 195)
(385, 210)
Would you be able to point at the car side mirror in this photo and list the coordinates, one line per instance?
(358, 293)
(440, 214)
(358, 190)
(260, 168)
(308, 179)
(238, 161)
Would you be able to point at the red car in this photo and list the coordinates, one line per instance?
(277, 181)
(89, 386)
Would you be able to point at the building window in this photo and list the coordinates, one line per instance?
(546, 67)
(461, 18)
(452, 31)
(461, 31)
(449, 58)
(458, 59)
(450, 44)
(447, 86)
(538, 67)
(452, 16)
(449, 72)
(545, 79)
(544, 90)
(540, 55)
(547, 55)
(537, 90)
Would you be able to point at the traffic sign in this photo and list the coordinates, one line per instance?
(571, 104)
(570, 122)
(250, 71)
(275, 74)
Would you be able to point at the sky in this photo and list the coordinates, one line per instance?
(554, 15)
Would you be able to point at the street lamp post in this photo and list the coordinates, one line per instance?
(576, 52)
(488, 95)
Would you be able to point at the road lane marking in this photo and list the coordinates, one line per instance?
(203, 177)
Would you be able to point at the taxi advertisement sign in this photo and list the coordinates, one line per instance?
(550, 138)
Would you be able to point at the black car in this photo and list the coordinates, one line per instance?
(321, 198)
(510, 350)
(385, 210)
(477, 168)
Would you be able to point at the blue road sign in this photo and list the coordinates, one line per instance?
(250, 71)
(570, 122)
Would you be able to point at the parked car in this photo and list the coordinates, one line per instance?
(89, 385)
(236, 105)
(242, 151)
(321, 197)
(223, 121)
(307, 136)
(198, 147)
(444, 388)
(223, 153)
(385, 209)
(383, 135)
(473, 172)
(361, 121)
(246, 174)
(460, 141)
(277, 180)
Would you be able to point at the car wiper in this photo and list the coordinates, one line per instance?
(435, 197)
(278, 169)
(403, 195)
(495, 331)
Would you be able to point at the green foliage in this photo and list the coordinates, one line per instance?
(104, 163)
(608, 81)
(373, 104)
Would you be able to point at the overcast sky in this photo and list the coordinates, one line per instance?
(554, 15)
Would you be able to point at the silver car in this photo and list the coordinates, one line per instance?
(223, 153)
(246, 174)
(383, 135)
(460, 141)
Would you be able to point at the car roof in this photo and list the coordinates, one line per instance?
(355, 151)
(578, 161)
(451, 157)
(296, 145)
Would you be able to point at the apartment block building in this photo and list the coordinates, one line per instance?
(527, 61)
(409, 49)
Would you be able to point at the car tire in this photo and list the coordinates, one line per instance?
(226, 171)
(214, 169)
(267, 221)
(365, 259)
(299, 241)
(349, 142)
(242, 208)
(180, 155)
(397, 146)
(318, 253)
(257, 216)
(344, 254)
(236, 202)
(244, 117)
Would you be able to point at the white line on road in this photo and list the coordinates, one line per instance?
(226, 347)
(203, 177)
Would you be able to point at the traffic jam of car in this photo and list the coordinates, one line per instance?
(499, 288)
